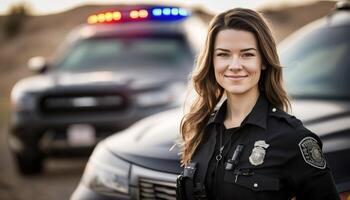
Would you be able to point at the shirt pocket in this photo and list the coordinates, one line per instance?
(253, 181)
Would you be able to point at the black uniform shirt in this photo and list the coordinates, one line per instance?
(215, 173)
(280, 159)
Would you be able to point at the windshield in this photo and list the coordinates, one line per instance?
(119, 52)
(317, 65)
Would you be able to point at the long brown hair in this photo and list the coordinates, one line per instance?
(209, 93)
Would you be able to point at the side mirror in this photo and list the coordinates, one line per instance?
(37, 64)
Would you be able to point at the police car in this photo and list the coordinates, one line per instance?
(140, 163)
(123, 65)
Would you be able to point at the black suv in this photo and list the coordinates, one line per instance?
(139, 162)
(123, 65)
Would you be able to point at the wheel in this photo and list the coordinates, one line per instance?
(29, 164)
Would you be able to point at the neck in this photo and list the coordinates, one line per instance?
(239, 106)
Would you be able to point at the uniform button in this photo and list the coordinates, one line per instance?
(255, 185)
(274, 109)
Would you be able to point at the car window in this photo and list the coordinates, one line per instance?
(126, 52)
(317, 64)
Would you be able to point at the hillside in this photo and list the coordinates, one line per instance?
(41, 35)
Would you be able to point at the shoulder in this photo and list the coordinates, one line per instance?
(284, 124)
(289, 130)
(282, 118)
(289, 134)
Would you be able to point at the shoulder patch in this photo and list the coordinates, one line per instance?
(312, 153)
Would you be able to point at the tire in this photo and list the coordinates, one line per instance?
(29, 164)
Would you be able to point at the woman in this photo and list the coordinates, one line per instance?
(250, 148)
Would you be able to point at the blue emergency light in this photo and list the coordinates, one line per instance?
(173, 13)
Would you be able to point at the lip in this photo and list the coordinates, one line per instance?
(235, 77)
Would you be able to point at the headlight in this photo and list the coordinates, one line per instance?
(24, 102)
(105, 173)
(167, 95)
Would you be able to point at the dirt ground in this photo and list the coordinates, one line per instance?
(58, 181)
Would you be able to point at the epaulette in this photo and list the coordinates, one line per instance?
(290, 119)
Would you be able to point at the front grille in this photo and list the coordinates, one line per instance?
(83, 103)
(155, 189)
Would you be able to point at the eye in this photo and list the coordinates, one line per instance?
(248, 55)
(221, 54)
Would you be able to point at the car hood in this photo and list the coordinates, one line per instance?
(318, 114)
(150, 142)
(140, 78)
(147, 143)
(328, 119)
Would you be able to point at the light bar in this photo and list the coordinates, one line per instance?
(149, 14)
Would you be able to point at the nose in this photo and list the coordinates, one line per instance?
(235, 64)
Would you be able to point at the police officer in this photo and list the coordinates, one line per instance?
(250, 148)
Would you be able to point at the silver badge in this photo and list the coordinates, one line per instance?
(258, 153)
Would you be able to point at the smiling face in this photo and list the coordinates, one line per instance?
(237, 61)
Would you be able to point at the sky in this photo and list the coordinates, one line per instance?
(42, 7)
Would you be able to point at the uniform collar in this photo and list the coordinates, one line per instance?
(258, 115)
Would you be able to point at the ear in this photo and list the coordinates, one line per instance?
(263, 67)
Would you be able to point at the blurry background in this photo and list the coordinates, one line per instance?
(37, 27)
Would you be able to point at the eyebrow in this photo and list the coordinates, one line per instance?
(242, 50)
